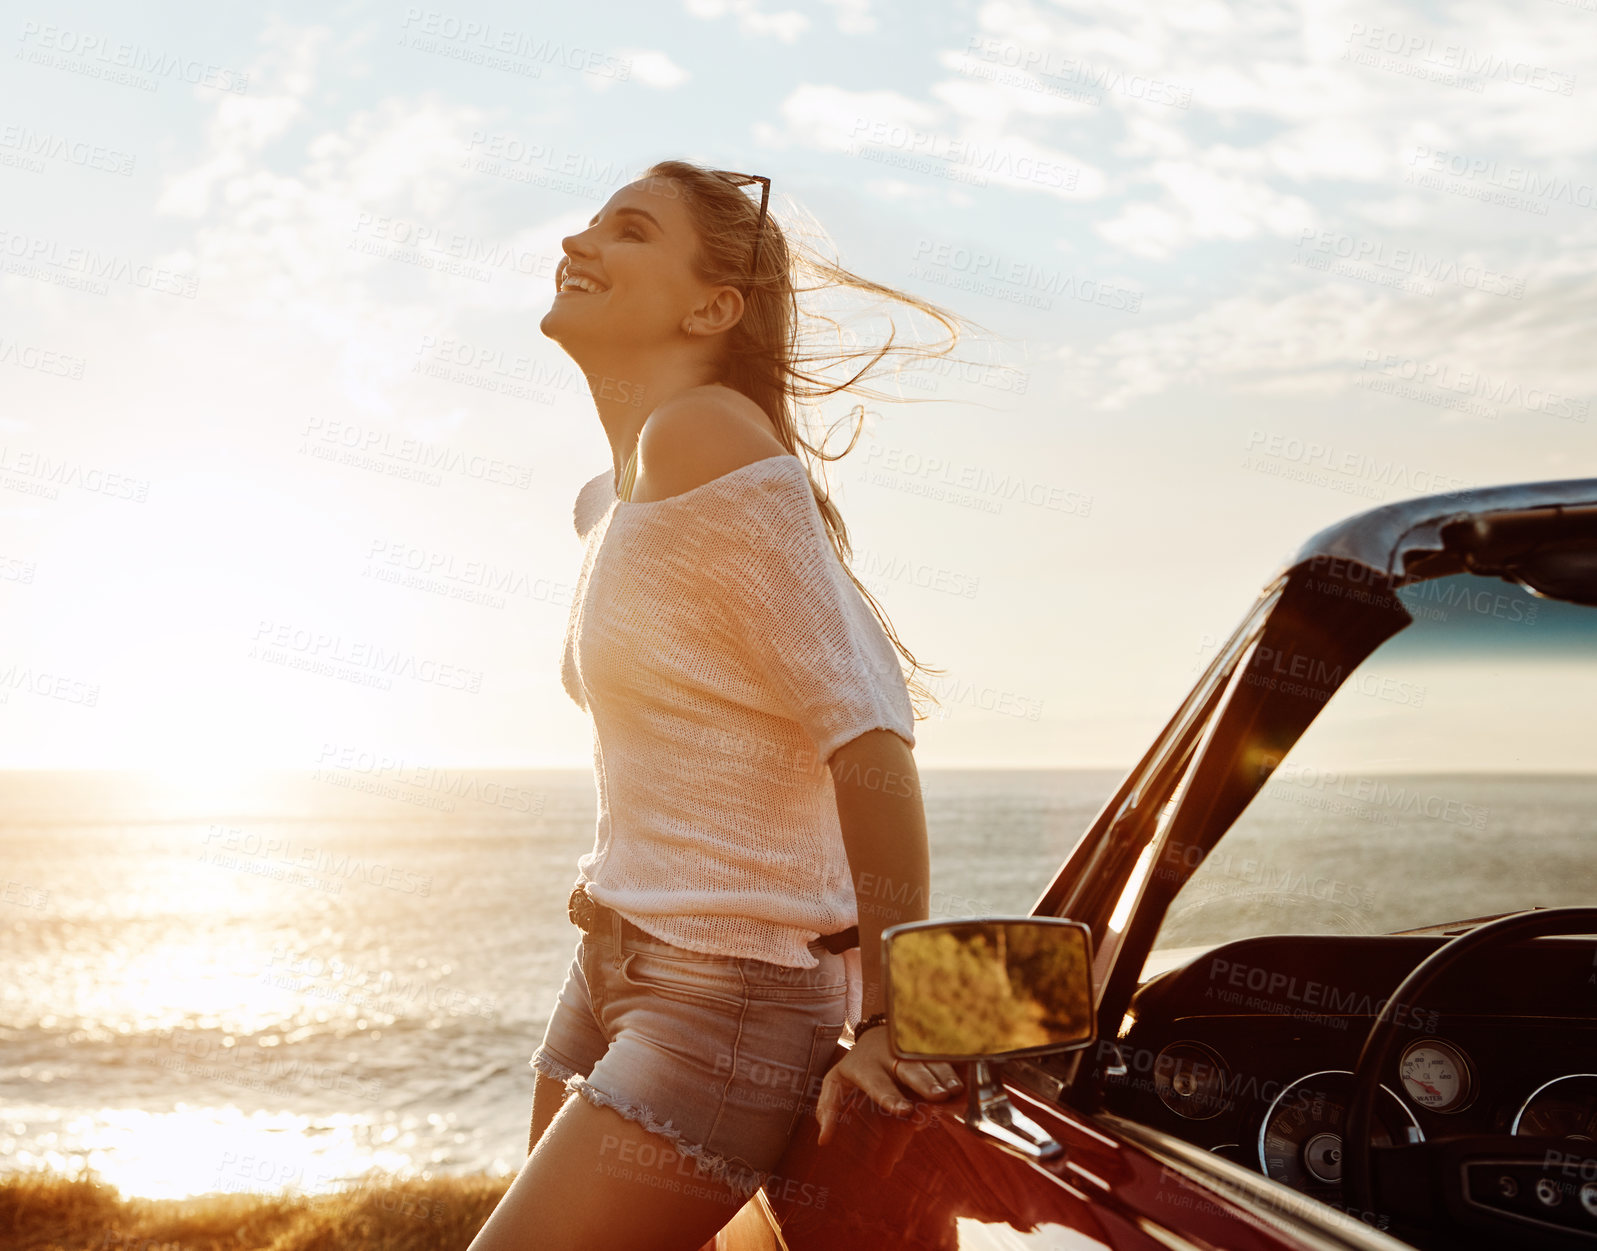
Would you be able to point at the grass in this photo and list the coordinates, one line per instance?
(44, 1211)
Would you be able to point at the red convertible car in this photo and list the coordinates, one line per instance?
(1320, 974)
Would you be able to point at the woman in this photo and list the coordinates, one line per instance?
(752, 736)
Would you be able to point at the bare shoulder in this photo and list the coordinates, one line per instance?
(697, 437)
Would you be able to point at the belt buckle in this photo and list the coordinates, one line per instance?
(581, 909)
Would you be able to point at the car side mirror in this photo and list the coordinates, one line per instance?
(986, 990)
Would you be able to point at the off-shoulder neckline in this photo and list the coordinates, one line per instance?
(620, 505)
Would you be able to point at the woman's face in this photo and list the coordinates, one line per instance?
(637, 250)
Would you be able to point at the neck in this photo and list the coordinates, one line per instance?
(625, 395)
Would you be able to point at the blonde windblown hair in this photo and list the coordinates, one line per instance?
(767, 355)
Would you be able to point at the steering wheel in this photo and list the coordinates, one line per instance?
(1490, 1190)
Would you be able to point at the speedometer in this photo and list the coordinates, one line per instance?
(1300, 1140)
(1436, 1076)
(1565, 1107)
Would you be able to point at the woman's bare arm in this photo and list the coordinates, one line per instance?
(884, 832)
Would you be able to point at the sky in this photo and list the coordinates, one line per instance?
(274, 404)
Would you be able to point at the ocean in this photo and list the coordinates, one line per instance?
(283, 981)
(291, 979)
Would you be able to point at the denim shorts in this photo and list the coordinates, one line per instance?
(722, 1056)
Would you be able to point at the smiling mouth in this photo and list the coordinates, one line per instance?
(571, 286)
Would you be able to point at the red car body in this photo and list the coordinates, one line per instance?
(928, 1180)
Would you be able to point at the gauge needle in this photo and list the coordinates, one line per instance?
(1429, 1089)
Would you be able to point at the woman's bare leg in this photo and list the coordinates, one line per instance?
(596, 1179)
(547, 1096)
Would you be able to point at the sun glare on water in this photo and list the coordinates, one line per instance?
(192, 1151)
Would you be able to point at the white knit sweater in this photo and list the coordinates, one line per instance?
(724, 655)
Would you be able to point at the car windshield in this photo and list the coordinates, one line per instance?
(1452, 776)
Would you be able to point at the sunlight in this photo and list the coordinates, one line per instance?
(192, 1151)
(210, 780)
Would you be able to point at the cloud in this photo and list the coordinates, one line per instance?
(650, 67)
(242, 125)
(832, 119)
(893, 131)
(854, 16)
(787, 25)
(1277, 108)
(1203, 202)
(1314, 341)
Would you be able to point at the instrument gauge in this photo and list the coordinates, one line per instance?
(1300, 1138)
(1437, 1076)
(1565, 1107)
(1190, 1080)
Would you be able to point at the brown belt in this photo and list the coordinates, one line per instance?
(591, 916)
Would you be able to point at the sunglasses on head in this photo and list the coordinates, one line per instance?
(743, 180)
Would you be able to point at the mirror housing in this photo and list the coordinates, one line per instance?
(988, 988)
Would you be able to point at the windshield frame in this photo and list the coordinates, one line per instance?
(1337, 598)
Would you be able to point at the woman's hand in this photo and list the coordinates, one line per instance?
(871, 1068)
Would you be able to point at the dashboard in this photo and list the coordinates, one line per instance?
(1248, 1049)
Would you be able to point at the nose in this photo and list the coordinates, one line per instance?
(571, 245)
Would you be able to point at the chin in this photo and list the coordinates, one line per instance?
(549, 327)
